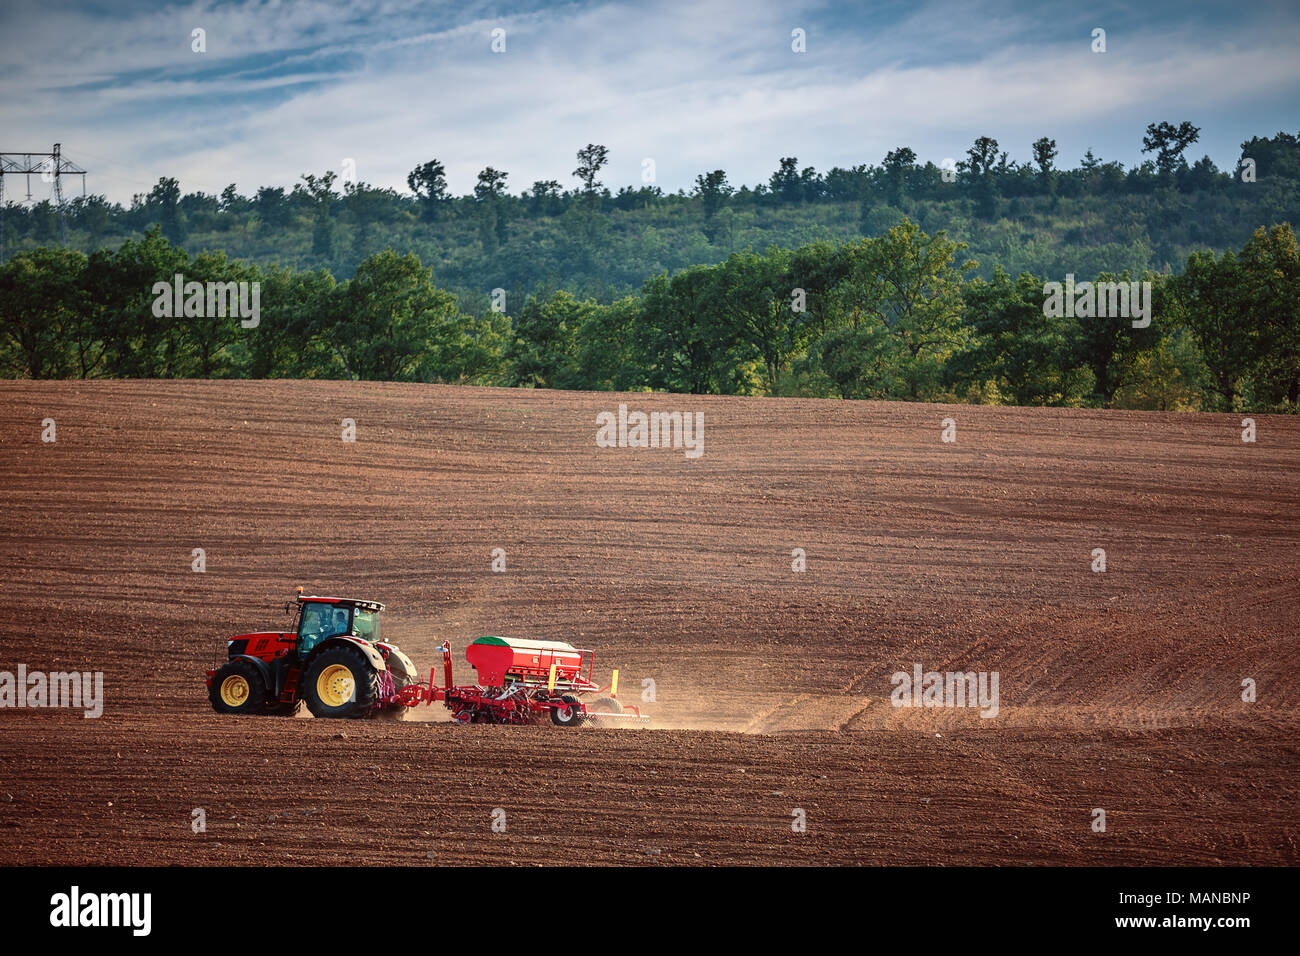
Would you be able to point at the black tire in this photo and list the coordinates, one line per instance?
(607, 705)
(365, 684)
(569, 716)
(238, 688)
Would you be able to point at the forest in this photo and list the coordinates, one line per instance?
(900, 280)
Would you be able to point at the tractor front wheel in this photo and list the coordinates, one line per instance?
(339, 682)
(237, 688)
(569, 713)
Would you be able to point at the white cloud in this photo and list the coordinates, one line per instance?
(695, 86)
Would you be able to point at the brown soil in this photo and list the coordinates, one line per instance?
(1119, 690)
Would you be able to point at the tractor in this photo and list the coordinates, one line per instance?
(333, 660)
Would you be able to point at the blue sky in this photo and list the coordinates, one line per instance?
(287, 88)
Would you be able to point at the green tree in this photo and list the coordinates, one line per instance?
(896, 170)
(1109, 346)
(713, 190)
(1213, 296)
(489, 193)
(1168, 141)
(677, 334)
(544, 352)
(137, 343)
(44, 327)
(754, 312)
(321, 191)
(384, 322)
(429, 183)
(163, 203)
(1015, 345)
(591, 159)
(898, 315)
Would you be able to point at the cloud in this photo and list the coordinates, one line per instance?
(288, 88)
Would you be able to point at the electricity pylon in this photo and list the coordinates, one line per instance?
(51, 167)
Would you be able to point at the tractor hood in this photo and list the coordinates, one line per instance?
(264, 645)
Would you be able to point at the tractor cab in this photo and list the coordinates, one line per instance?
(320, 618)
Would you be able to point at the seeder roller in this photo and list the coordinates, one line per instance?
(522, 682)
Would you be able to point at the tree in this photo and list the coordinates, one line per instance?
(233, 204)
(1168, 142)
(272, 207)
(1212, 295)
(544, 351)
(1109, 345)
(979, 163)
(591, 159)
(785, 183)
(283, 345)
(713, 190)
(45, 332)
(896, 169)
(981, 156)
(545, 199)
(163, 203)
(429, 183)
(136, 342)
(608, 355)
(897, 315)
(676, 333)
(1278, 156)
(1016, 346)
(1044, 154)
(754, 313)
(320, 189)
(202, 345)
(389, 322)
(488, 193)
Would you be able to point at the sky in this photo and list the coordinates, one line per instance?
(380, 86)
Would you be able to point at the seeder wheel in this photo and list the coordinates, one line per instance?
(605, 705)
(569, 713)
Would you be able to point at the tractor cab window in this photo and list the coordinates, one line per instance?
(319, 621)
(338, 622)
(365, 624)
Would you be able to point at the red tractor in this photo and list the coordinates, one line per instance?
(333, 659)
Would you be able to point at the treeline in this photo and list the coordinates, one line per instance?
(1026, 216)
(903, 315)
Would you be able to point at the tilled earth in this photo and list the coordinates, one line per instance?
(769, 689)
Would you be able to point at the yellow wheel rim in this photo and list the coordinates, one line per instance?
(234, 691)
(335, 685)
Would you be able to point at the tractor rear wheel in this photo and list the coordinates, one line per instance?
(339, 682)
(568, 714)
(237, 688)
